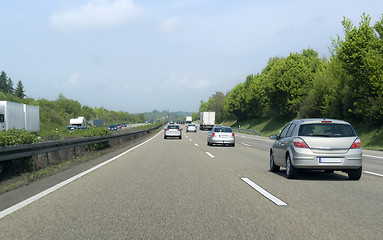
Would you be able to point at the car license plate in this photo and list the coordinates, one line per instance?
(330, 160)
(222, 136)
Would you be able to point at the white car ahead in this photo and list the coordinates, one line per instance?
(191, 128)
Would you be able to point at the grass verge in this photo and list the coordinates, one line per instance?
(29, 177)
(265, 127)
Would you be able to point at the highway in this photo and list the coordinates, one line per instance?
(184, 189)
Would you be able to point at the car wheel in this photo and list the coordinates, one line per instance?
(273, 167)
(180, 137)
(355, 174)
(291, 171)
(164, 137)
(233, 145)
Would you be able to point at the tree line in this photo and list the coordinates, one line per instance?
(347, 86)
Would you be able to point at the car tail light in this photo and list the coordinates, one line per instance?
(298, 142)
(233, 135)
(356, 144)
(167, 130)
(178, 130)
(326, 121)
(213, 135)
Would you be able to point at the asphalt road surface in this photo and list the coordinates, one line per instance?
(184, 189)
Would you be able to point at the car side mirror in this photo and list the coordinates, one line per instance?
(274, 137)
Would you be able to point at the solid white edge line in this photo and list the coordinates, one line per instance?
(210, 155)
(265, 193)
(59, 185)
(372, 173)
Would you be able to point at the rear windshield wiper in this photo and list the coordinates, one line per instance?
(320, 135)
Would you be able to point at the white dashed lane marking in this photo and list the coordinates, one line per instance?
(265, 193)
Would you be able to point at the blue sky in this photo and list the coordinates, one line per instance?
(137, 56)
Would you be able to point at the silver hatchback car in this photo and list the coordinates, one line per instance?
(173, 130)
(324, 144)
(221, 135)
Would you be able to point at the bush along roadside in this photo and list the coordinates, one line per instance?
(17, 137)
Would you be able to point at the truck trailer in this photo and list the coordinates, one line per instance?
(207, 120)
(19, 116)
(189, 120)
(79, 122)
(97, 123)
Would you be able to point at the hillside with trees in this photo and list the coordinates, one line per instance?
(56, 113)
(347, 86)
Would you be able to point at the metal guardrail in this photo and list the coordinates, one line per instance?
(27, 150)
(246, 130)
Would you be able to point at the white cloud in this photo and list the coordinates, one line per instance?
(96, 14)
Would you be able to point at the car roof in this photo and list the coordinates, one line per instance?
(320, 120)
(173, 125)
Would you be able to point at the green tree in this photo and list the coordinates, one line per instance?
(215, 103)
(287, 81)
(320, 94)
(3, 82)
(71, 107)
(360, 57)
(87, 112)
(19, 91)
(235, 103)
(245, 100)
(9, 87)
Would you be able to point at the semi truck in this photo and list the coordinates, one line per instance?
(79, 122)
(189, 120)
(19, 116)
(207, 120)
(97, 123)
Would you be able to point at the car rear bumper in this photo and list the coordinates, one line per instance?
(351, 160)
(176, 134)
(222, 141)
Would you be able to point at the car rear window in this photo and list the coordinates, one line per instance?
(173, 127)
(326, 130)
(223, 129)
